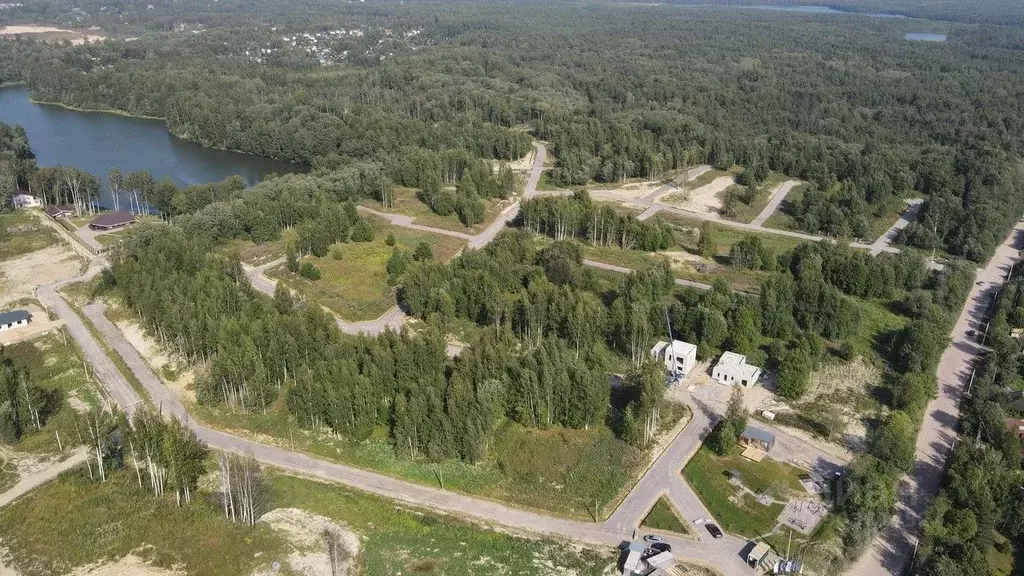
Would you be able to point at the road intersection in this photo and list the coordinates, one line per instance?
(662, 478)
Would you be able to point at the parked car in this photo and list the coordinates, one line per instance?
(654, 538)
(659, 547)
(715, 531)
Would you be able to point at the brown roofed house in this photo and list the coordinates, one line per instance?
(55, 212)
(112, 220)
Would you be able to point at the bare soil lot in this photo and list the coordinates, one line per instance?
(704, 200)
(50, 33)
(20, 276)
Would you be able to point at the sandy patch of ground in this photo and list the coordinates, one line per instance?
(157, 360)
(522, 164)
(130, 565)
(704, 200)
(39, 324)
(632, 191)
(20, 277)
(307, 534)
(51, 33)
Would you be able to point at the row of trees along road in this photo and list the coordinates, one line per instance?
(981, 503)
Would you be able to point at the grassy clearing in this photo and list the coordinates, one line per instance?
(96, 521)
(400, 540)
(708, 177)
(664, 518)
(743, 515)
(22, 233)
(884, 217)
(56, 364)
(876, 319)
(259, 254)
(738, 279)
(783, 218)
(8, 476)
(356, 287)
(408, 203)
(559, 471)
(1001, 562)
(744, 212)
(687, 231)
(110, 238)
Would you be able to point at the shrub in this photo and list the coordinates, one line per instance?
(309, 270)
(390, 240)
(423, 252)
(337, 254)
(362, 232)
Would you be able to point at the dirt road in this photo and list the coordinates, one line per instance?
(32, 481)
(894, 546)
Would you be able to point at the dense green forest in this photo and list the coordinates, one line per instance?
(847, 104)
(437, 96)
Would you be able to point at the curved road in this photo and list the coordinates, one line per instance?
(662, 477)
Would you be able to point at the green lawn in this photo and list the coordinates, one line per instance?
(706, 473)
(356, 287)
(55, 366)
(884, 217)
(21, 233)
(664, 518)
(783, 219)
(408, 203)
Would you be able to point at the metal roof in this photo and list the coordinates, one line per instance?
(759, 434)
(14, 316)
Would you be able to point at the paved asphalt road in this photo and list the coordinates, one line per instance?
(893, 548)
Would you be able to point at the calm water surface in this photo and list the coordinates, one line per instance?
(926, 36)
(96, 142)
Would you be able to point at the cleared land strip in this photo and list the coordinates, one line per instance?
(777, 198)
(884, 242)
(893, 547)
(721, 554)
(624, 270)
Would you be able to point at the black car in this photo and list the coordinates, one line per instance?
(660, 547)
(715, 531)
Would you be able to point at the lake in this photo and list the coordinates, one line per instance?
(823, 10)
(96, 142)
(926, 37)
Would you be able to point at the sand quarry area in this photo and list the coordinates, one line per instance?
(51, 33)
(704, 200)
